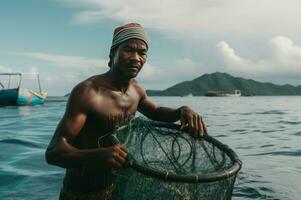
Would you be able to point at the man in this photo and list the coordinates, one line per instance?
(99, 104)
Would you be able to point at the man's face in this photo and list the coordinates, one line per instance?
(129, 58)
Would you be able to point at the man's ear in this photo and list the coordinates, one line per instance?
(111, 56)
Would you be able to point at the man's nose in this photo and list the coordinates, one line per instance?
(135, 56)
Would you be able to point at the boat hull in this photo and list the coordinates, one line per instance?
(9, 97)
(20, 97)
(235, 93)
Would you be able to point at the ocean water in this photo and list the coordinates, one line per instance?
(264, 131)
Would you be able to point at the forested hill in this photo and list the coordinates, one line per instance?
(227, 83)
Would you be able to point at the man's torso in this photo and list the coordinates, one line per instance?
(107, 109)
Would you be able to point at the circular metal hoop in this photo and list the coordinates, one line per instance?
(202, 178)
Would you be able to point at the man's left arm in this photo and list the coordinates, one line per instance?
(190, 120)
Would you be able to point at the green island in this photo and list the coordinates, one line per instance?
(225, 82)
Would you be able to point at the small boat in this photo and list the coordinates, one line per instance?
(18, 96)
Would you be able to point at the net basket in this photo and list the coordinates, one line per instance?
(167, 163)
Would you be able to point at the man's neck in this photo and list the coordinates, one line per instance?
(118, 82)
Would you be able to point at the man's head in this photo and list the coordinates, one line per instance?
(128, 31)
(129, 47)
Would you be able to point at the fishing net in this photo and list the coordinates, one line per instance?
(167, 163)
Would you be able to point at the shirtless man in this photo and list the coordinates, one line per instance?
(99, 104)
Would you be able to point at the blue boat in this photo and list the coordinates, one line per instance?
(20, 96)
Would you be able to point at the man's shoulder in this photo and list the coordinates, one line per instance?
(85, 89)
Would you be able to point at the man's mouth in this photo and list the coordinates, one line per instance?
(134, 67)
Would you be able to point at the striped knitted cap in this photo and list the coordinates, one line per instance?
(129, 31)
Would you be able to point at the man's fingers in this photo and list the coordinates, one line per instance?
(120, 151)
(123, 154)
(196, 125)
(119, 158)
(115, 164)
(204, 126)
(190, 125)
(202, 130)
(182, 123)
(124, 151)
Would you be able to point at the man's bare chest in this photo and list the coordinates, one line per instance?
(106, 114)
(115, 108)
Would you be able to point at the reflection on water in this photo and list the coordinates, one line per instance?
(264, 131)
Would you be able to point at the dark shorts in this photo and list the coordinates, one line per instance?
(105, 194)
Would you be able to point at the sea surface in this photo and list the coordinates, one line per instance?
(264, 131)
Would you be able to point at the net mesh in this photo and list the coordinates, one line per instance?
(170, 164)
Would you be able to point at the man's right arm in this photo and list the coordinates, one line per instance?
(60, 152)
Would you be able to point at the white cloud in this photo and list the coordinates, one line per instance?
(4, 69)
(185, 68)
(193, 17)
(195, 23)
(85, 67)
(68, 61)
(234, 61)
(286, 53)
(82, 67)
(33, 70)
(160, 77)
(72, 70)
(149, 72)
(285, 58)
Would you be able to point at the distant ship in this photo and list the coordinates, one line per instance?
(235, 93)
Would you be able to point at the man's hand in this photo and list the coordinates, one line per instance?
(192, 122)
(115, 157)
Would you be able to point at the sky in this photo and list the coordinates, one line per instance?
(67, 41)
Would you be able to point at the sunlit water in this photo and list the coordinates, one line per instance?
(264, 131)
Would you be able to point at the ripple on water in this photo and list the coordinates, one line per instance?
(298, 133)
(247, 192)
(269, 131)
(271, 112)
(35, 187)
(252, 186)
(267, 145)
(239, 130)
(20, 142)
(220, 135)
(289, 122)
(8, 180)
(248, 113)
(296, 153)
(245, 147)
(26, 131)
